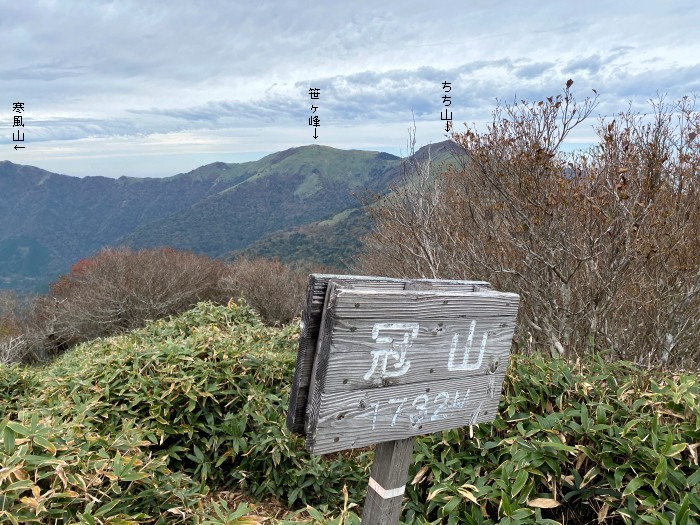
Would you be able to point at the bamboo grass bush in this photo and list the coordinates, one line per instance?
(140, 428)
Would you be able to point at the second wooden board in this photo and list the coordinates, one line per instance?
(412, 361)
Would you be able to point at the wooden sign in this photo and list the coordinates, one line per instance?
(311, 324)
(383, 360)
(392, 364)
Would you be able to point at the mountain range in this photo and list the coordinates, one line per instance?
(299, 204)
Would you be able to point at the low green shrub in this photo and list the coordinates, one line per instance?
(155, 419)
(57, 471)
(207, 390)
(17, 385)
(607, 443)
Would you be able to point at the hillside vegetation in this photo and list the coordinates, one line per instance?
(334, 242)
(601, 244)
(50, 221)
(120, 290)
(157, 425)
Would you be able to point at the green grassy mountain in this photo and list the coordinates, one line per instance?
(49, 221)
(281, 191)
(121, 203)
(336, 240)
(298, 204)
(332, 242)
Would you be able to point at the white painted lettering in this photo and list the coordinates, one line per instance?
(437, 415)
(373, 412)
(465, 365)
(396, 350)
(423, 409)
(420, 403)
(398, 410)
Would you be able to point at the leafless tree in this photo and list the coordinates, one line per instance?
(412, 237)
(277, 291)
(121, 289)
(12, 350)
(600, 244)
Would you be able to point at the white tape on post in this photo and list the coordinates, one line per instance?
(384, 493)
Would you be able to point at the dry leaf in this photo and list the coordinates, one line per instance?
(30, 502)
(693, 449)
(543, 503)
(579, 461)
(431, 495)
(603, 512)
(62, 476)
(177, 511)
(484, 511)
(468, 495)
(420, 475)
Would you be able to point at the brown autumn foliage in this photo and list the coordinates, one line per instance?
(120, 289)
(277, 291)
(10, 305)
(602, 245)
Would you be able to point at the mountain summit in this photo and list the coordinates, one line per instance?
(49, 221)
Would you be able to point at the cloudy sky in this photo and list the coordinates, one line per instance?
(154, 88)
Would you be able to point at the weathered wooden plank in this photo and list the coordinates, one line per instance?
(318, 374)
(395, 361)
(443, 284)
(311, 322)
(308, 338)
(387, 482)
(376, 346)
(362, 417)
(426, 304)
(355, 360)
(308, 334)
(375, 341)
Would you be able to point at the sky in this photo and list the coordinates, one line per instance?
(153, 88)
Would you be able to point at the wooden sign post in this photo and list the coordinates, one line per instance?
(383, 360)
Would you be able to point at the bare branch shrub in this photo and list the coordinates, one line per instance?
(12, 350)
(601, 245)
(275, 290)
(412, 238)
(121, 289)
(10, 311)
(18, 329)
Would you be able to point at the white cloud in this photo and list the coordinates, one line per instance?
(214, 80)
